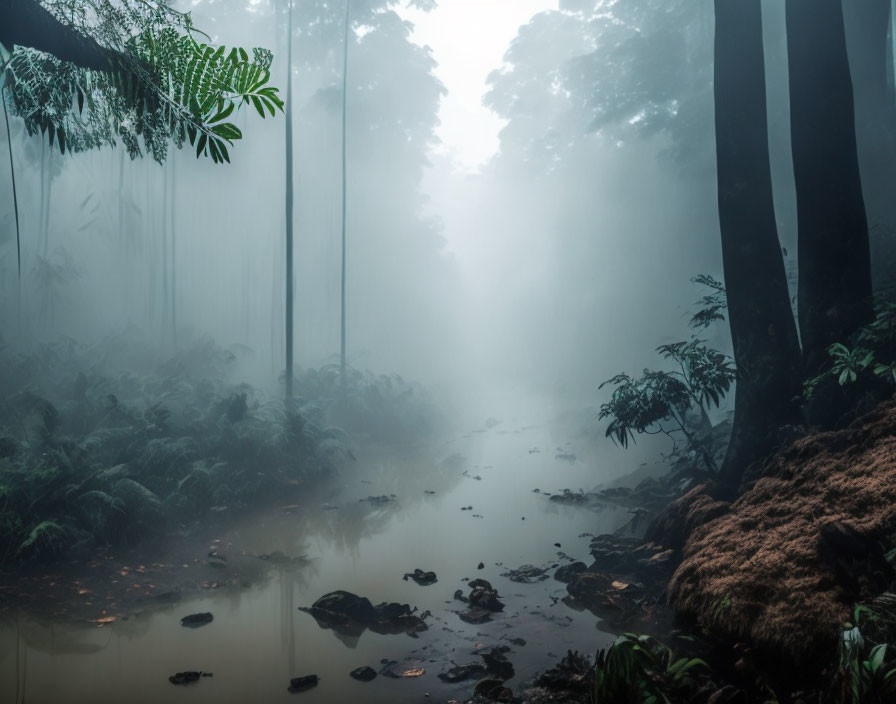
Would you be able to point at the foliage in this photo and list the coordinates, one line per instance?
(381, 407)
(163, 84)
(664, 401)
(866, 670)
(91, 458)
(638, 669)
(870, 356)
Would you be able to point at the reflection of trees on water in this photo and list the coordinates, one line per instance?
(287, 581)
(341, 529)
(354, 518)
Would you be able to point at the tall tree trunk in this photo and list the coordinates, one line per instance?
(15, 205)
(173, 252)
(344, 185)
(45, 223)
(165, 216)
(868, 41)
(289, 209)
(763, 332)
(39, 244)
(834, 258)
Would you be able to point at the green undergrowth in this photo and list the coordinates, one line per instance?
(640, 669)
(92, 457)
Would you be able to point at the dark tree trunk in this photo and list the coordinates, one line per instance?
(763, 332)
(868, 42)
(834, 258)
(27, 23)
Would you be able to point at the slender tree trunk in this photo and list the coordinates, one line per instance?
(164, 250)
(869, 43)
(173, 252)
(39, 244)
(289, 209)
(15, 204)
(45, 225)
(834, 257)
(121, 196)
(763, 332)
(344, 184)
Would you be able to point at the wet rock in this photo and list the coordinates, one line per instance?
(496, 663)
(407, 668)
(675, 523)
(574, 674)
(350, 614)
(303, 684)
(461, 673)
(568, 572)
(517, 641)
(483, 601)
(187, 677)
(493, 690)
(476, 616)
(527, 574)
(363, 674)
(197, 620)
(340, 605)
(484, 596)
(480, 566)
(424, 579)
(614, 554)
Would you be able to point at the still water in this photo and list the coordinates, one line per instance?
(259, 640)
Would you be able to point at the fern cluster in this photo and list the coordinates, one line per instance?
(103, 459)
(163, 84)
(868, 359)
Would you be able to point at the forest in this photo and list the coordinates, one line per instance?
(468, 351)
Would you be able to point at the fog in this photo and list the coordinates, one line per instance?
(562, 259)
(529, 191)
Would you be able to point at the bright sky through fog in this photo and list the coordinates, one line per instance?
(468, 39)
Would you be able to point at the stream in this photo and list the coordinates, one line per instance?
(259, 639)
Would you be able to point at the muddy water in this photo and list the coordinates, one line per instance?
(259, 640)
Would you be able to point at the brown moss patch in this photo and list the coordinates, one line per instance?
(678, 520)
(784, 565)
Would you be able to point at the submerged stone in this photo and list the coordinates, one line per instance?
(302, 684)
(350, 614)
(424, 579)
(460, 673)
(187, 677)
(197, 620)
(527, 574)
(363, 674)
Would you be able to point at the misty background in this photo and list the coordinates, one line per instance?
(535, 243)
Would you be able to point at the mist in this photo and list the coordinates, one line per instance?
(548, 348)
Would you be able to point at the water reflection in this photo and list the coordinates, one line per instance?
(259, 639)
